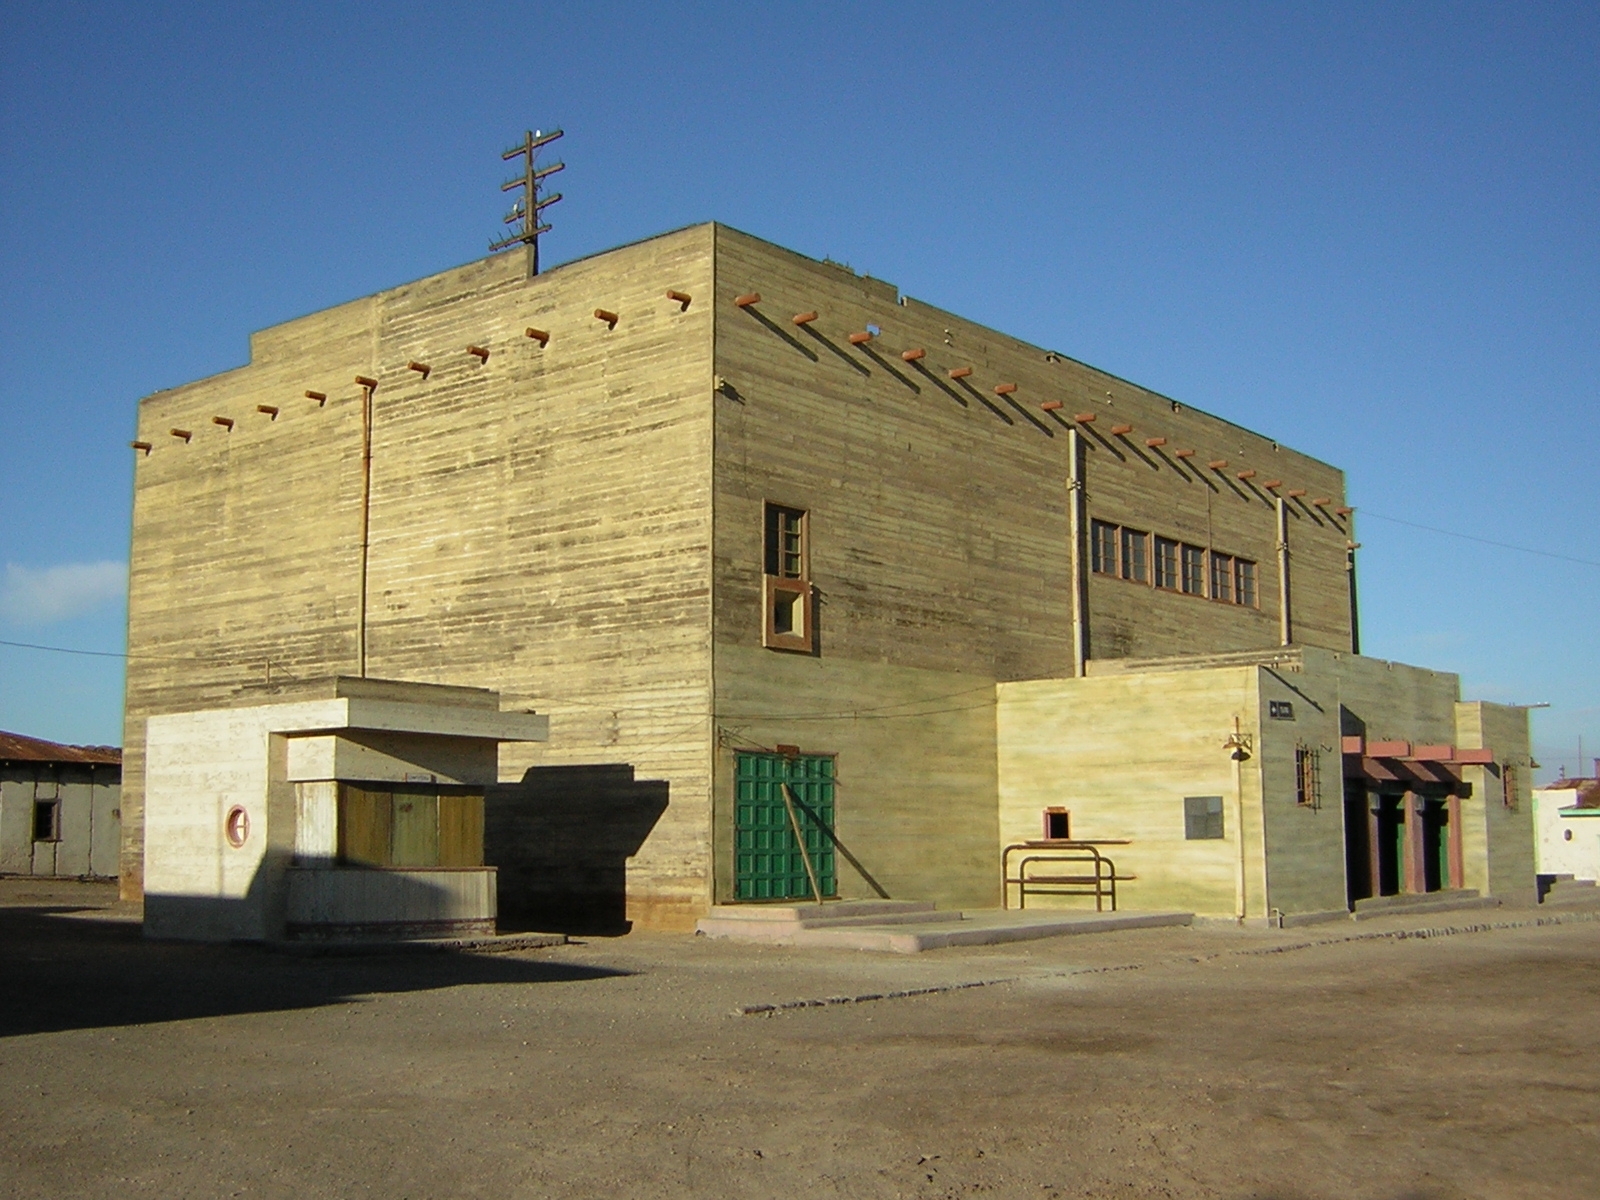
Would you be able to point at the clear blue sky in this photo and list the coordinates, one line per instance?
(1370, 231)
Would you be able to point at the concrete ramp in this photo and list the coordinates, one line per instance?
(909, 927)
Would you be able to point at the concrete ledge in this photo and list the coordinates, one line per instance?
(937, 931)
(1425, 902)
(489, 944)
(1293, 920)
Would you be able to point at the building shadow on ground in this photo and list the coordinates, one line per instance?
(64, 969)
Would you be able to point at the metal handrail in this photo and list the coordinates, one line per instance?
(1102, 884)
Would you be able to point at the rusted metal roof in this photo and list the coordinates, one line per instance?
(15, 747)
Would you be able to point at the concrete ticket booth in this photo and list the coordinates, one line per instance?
(345, 809)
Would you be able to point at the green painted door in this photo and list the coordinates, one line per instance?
(767, 861)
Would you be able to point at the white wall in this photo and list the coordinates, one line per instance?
(1565, 844)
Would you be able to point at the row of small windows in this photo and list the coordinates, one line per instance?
(1135, 555)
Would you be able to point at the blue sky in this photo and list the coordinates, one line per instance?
(1370, 231)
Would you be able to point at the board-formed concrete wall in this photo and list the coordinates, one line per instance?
(577, 525)
(540, 521)
(1121, 753)
(940, 547)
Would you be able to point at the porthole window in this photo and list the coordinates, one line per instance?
(236, 826)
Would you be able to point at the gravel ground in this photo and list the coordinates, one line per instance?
(1347, 1061)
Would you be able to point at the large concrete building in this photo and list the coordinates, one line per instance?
(733, 518)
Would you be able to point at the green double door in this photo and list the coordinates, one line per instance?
(768, 864)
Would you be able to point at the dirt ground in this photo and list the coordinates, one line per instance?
(1154, 1063)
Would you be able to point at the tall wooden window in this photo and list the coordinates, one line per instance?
(1194, 570)
(1222, 577)
(786, 542)
(1509, 785)
(1135, 553)
(785, 587)
(1166, 563)
(1244, 582)
(1103, 547)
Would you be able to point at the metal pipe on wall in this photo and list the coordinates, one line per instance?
(1080, 597)
(366, 509)
(1355, 611)
(1285, 627)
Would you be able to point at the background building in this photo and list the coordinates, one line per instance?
(59, 808)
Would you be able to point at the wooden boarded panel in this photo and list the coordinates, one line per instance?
(414, 835)
(460, 831)
(365, 819)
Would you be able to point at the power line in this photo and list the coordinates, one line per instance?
(1467, 537)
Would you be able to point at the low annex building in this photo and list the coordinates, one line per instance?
(775, 548)
(1566, 816)
(60, 808)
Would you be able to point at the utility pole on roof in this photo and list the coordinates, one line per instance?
(529, 205)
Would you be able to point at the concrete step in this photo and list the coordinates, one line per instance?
(1421, 902)
(1573, 893)
(984, 928)
(774, 922)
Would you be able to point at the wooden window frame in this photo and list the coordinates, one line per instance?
(1243, 569)
(787, 621)
(1192, 569)
(1164, 564)
(787, 598)
(1171, 565)
(1135, 568)
(1103, 537)
(1222, 577)
(773, 553)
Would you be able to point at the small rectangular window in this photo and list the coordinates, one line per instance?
(1244, 582)
(1508, 784)
(1103, 547)
(1166, 563)
(1194, 573)
(1135, 554)
(1308, 777)
(47, 820)
(786, 542)
(1202, 817)
(1057, 824)
(1221, 576)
